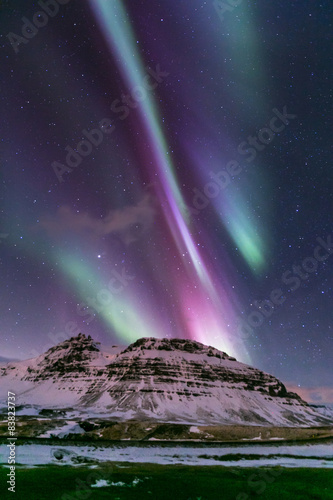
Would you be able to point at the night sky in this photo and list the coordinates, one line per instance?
(166, 172)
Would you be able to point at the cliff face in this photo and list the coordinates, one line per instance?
(170, 380)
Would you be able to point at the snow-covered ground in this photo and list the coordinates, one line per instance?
(309, 455)
(70, 427)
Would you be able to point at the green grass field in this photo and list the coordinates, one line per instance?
(172, 482)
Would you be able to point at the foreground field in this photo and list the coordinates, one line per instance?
(168, 482)
(75, 426)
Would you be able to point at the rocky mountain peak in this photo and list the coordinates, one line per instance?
(68, 356)
(79, 345)
(175, 344)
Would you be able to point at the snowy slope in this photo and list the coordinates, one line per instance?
(171, 380)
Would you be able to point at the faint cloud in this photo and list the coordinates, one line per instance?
(316, 395)
(129, 222)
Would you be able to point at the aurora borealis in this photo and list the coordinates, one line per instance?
(166, 172)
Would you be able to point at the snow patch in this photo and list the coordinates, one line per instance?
(101, 483)
(193, 428)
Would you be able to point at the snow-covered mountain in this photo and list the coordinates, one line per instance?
(168, 380)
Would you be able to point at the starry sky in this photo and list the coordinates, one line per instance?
(166, 171)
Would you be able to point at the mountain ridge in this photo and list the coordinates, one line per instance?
(168, 380)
